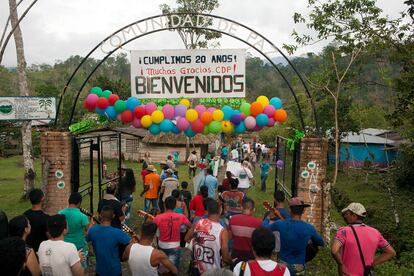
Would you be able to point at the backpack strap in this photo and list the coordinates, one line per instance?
(242, 268)
(359, 246)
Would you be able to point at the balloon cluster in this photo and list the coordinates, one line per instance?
(175, 119)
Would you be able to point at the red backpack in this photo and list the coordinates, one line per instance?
(256, 270)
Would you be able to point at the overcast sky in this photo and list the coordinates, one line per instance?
(56, 29)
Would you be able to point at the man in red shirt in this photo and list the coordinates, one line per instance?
(233, 199)
(345, 249)
(241, 228)
(196, 203)
(169, 224)
(226, 181)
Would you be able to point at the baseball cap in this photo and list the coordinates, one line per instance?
(356, 208)
(170, 171)
(297, 201)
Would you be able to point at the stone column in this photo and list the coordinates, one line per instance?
(311, 179)
(56, 152)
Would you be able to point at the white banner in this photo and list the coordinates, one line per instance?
(27, 108)
(199, 73)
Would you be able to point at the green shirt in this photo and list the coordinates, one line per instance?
(76, 222)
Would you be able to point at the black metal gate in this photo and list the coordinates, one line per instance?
(88, 165)
(287, 166)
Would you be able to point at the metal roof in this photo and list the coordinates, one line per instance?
(365, 138)
(374, 131)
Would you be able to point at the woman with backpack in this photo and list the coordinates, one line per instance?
(245, 177)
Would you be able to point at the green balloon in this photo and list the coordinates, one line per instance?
(120, 106)
(206, 130)
(96, 90)
(245, 108)
(106, 94)
(214, 127)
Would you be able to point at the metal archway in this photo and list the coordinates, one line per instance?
(203, 22)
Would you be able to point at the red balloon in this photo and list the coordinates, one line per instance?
(197, 126)
(139, 112)
(88, 105)
(112, 99)
(127, 116)
(102, 103)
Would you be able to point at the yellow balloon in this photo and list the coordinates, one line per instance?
(191, 115)
(146, 121)
(157, 116)
(226, 126)
(263, 100)
(185, 102)
(218, 115)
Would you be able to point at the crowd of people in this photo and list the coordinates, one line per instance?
(218, 225)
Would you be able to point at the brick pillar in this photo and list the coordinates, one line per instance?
(311, 179)
(56, 149)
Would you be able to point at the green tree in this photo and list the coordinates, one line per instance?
(194, 38)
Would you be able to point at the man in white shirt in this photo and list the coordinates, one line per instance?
(244, 175)
(192, 162)
(57, 257)
(143, 259)
(235, 155)
(263, 242)
(169, 184)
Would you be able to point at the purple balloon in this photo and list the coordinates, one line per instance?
(269, 110)
(168, 111)
(150, 107)
(180, 110)
(280, 164)
(250, 122)
(183, 124)
(236, 119)
(258, 128)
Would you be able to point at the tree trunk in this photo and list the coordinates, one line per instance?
(26, 130)
(337, 142)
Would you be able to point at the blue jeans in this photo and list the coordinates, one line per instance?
(174, 255)
(128, 202)
(148, 202)
(296, 269)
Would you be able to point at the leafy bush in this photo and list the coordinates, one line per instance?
(404, 173)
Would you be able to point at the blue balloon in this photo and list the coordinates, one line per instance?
(276, 102)
(228, 112)
(131, 103)
(189, 132)
(262, 119)
(166, 125)
(175, 129)
(154, 129)
(110, 112)
(236, 111)
(240, 128)
(100, 111)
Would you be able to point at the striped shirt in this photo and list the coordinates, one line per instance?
(242, 227)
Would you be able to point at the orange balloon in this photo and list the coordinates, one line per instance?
(280, 115)
(256, 108)
(206, 117)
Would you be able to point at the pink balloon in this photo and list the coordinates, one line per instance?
(136, 122)
(150, 107)
(91, 99)
(119, 117)
(211, 109)
(250, 122)
(271, 122)
(242, 115)
(168, 111)
(200, 109)
(258, 128)
(269, 110)
(182, 124)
